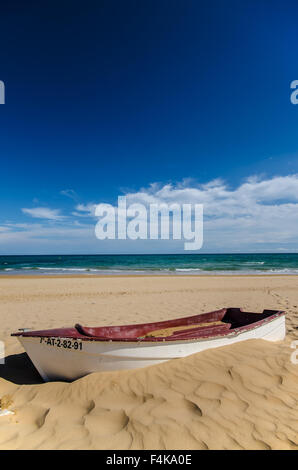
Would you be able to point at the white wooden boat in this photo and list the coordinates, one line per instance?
(71, 353)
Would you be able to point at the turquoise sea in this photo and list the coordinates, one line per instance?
(151, 264)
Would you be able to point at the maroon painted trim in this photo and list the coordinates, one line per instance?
(235, 321)
(138, 330)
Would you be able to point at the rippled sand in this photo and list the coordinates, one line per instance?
(243, 396)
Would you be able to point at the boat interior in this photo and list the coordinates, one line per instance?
(205, 324)
(219, 322)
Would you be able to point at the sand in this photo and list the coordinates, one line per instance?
(243, 396)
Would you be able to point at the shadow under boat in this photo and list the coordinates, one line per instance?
(19, 370)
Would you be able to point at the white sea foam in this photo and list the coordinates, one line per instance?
(188, 269)
(252, 263)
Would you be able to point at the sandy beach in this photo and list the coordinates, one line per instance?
(243, 396)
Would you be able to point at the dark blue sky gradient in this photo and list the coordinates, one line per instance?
(106, 95)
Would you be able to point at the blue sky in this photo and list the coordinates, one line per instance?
(107, 97)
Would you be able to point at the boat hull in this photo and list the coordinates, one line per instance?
(75, 358)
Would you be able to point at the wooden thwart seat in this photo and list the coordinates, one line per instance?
(177, 330)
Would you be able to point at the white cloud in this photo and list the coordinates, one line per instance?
(260, 214)
(43, 213)
(278, 194)
(69, 193)
(85, 210)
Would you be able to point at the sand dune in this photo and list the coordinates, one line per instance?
(243, 396)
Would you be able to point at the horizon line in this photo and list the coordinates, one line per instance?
(155, 254)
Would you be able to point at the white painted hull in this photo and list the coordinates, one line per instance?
(58, 363)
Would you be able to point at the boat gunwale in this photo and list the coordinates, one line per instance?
(161, 340)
